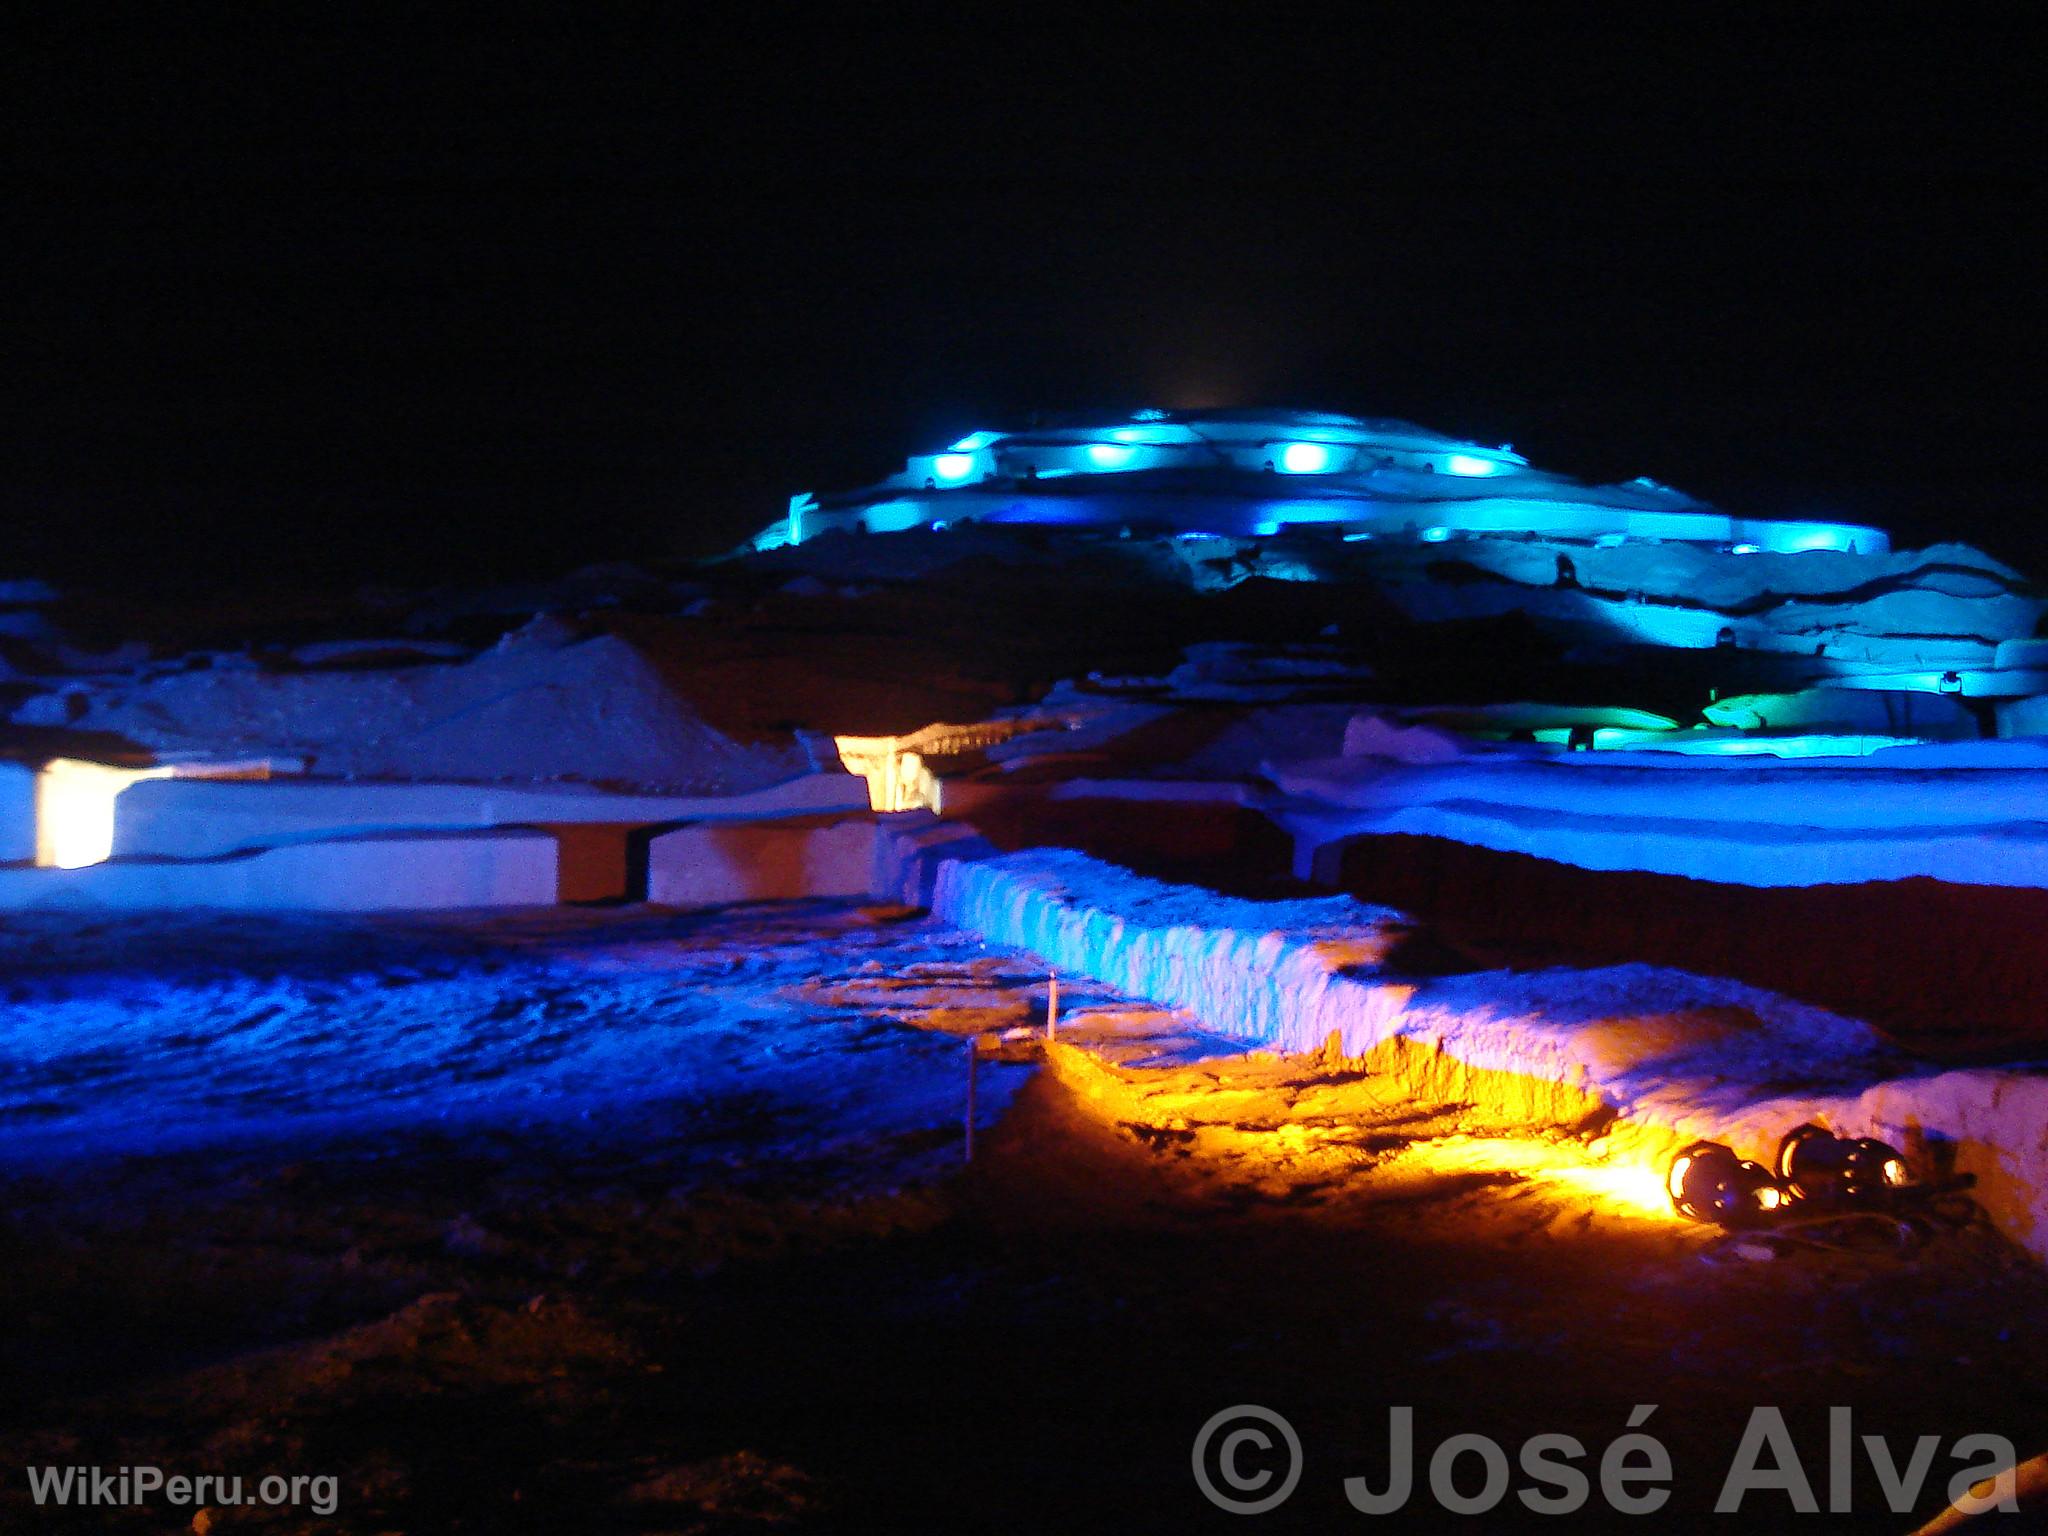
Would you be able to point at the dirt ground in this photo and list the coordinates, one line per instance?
(554, 1330)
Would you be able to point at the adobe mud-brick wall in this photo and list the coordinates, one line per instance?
(715, 863)
(407, 872)
(1952, 970)
(17, 813)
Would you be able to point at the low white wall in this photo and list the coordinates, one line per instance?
(911, 849)
(2023, 717)
(1673, 1057)
(200, 818)
(714, 863)
(1972, 813)
(2011, 854)
(17, 813)
(425, 871)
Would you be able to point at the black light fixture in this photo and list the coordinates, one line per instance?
(1708, 1182)
(1824, 1169)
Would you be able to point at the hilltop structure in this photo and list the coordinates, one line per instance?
(1261, 473)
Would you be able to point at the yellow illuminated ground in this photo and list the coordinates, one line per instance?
(1344, 1138)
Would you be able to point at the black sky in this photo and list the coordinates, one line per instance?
(321, 307)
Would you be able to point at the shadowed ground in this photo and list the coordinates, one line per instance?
(645, 1320)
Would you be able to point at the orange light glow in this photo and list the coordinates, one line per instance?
(1622, 1185)
(899, 778)
(1675, 1185)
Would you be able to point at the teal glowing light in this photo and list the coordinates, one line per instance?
(975, 440)
(896, 515)
(798, 506)
(953, 466)
(1819, 538)
(1745, 549)
(1305, 458)
(1109, 455)
(1435, 535)
(1467, 464)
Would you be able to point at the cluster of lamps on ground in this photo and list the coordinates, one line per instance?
(1816, 1169)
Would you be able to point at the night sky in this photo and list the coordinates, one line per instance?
(325, 308)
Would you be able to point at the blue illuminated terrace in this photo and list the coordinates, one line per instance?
(1270, 473)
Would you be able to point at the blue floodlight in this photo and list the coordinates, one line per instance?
(1109, 455)
(953, 466)
(1435, 535)
(1467, 464)
(1745, 549)
(975, 440)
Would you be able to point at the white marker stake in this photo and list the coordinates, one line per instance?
(1052, 1008)
(972, 1055)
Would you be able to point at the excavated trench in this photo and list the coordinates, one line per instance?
(1951, 972)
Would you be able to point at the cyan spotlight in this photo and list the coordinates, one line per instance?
(1708, 1182)
(1469, 464)
(1824, 1169)
(1305, 458)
